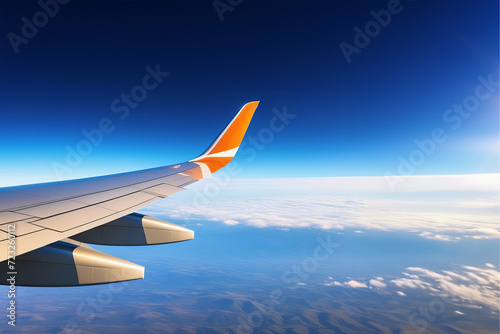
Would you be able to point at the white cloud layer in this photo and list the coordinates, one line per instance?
(445, 208)
(373, 283)
(472, 286)
(349, 284)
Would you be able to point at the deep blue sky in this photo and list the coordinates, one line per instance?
(351, 119)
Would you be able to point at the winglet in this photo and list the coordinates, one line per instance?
(225, 146)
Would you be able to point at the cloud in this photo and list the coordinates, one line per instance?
(470, 287)
(410, 283)
(441, 237)
(331, 283)
(377, 283)
(456, 276)
(424, 207)
(476, 287)
(351, 284)
(231, 222)
(429, 273)
(355, 284)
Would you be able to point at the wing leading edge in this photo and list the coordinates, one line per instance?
(102, 208)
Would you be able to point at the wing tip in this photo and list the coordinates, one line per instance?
(225, 146)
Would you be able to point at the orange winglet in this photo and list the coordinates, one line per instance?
(225, 146)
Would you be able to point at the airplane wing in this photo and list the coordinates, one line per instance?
(44, 227)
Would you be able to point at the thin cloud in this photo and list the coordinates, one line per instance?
(355, 284)
(472, 286)
(350, 284)
(231, 222)
(377, 283)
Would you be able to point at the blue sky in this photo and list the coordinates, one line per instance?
(351, 119)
